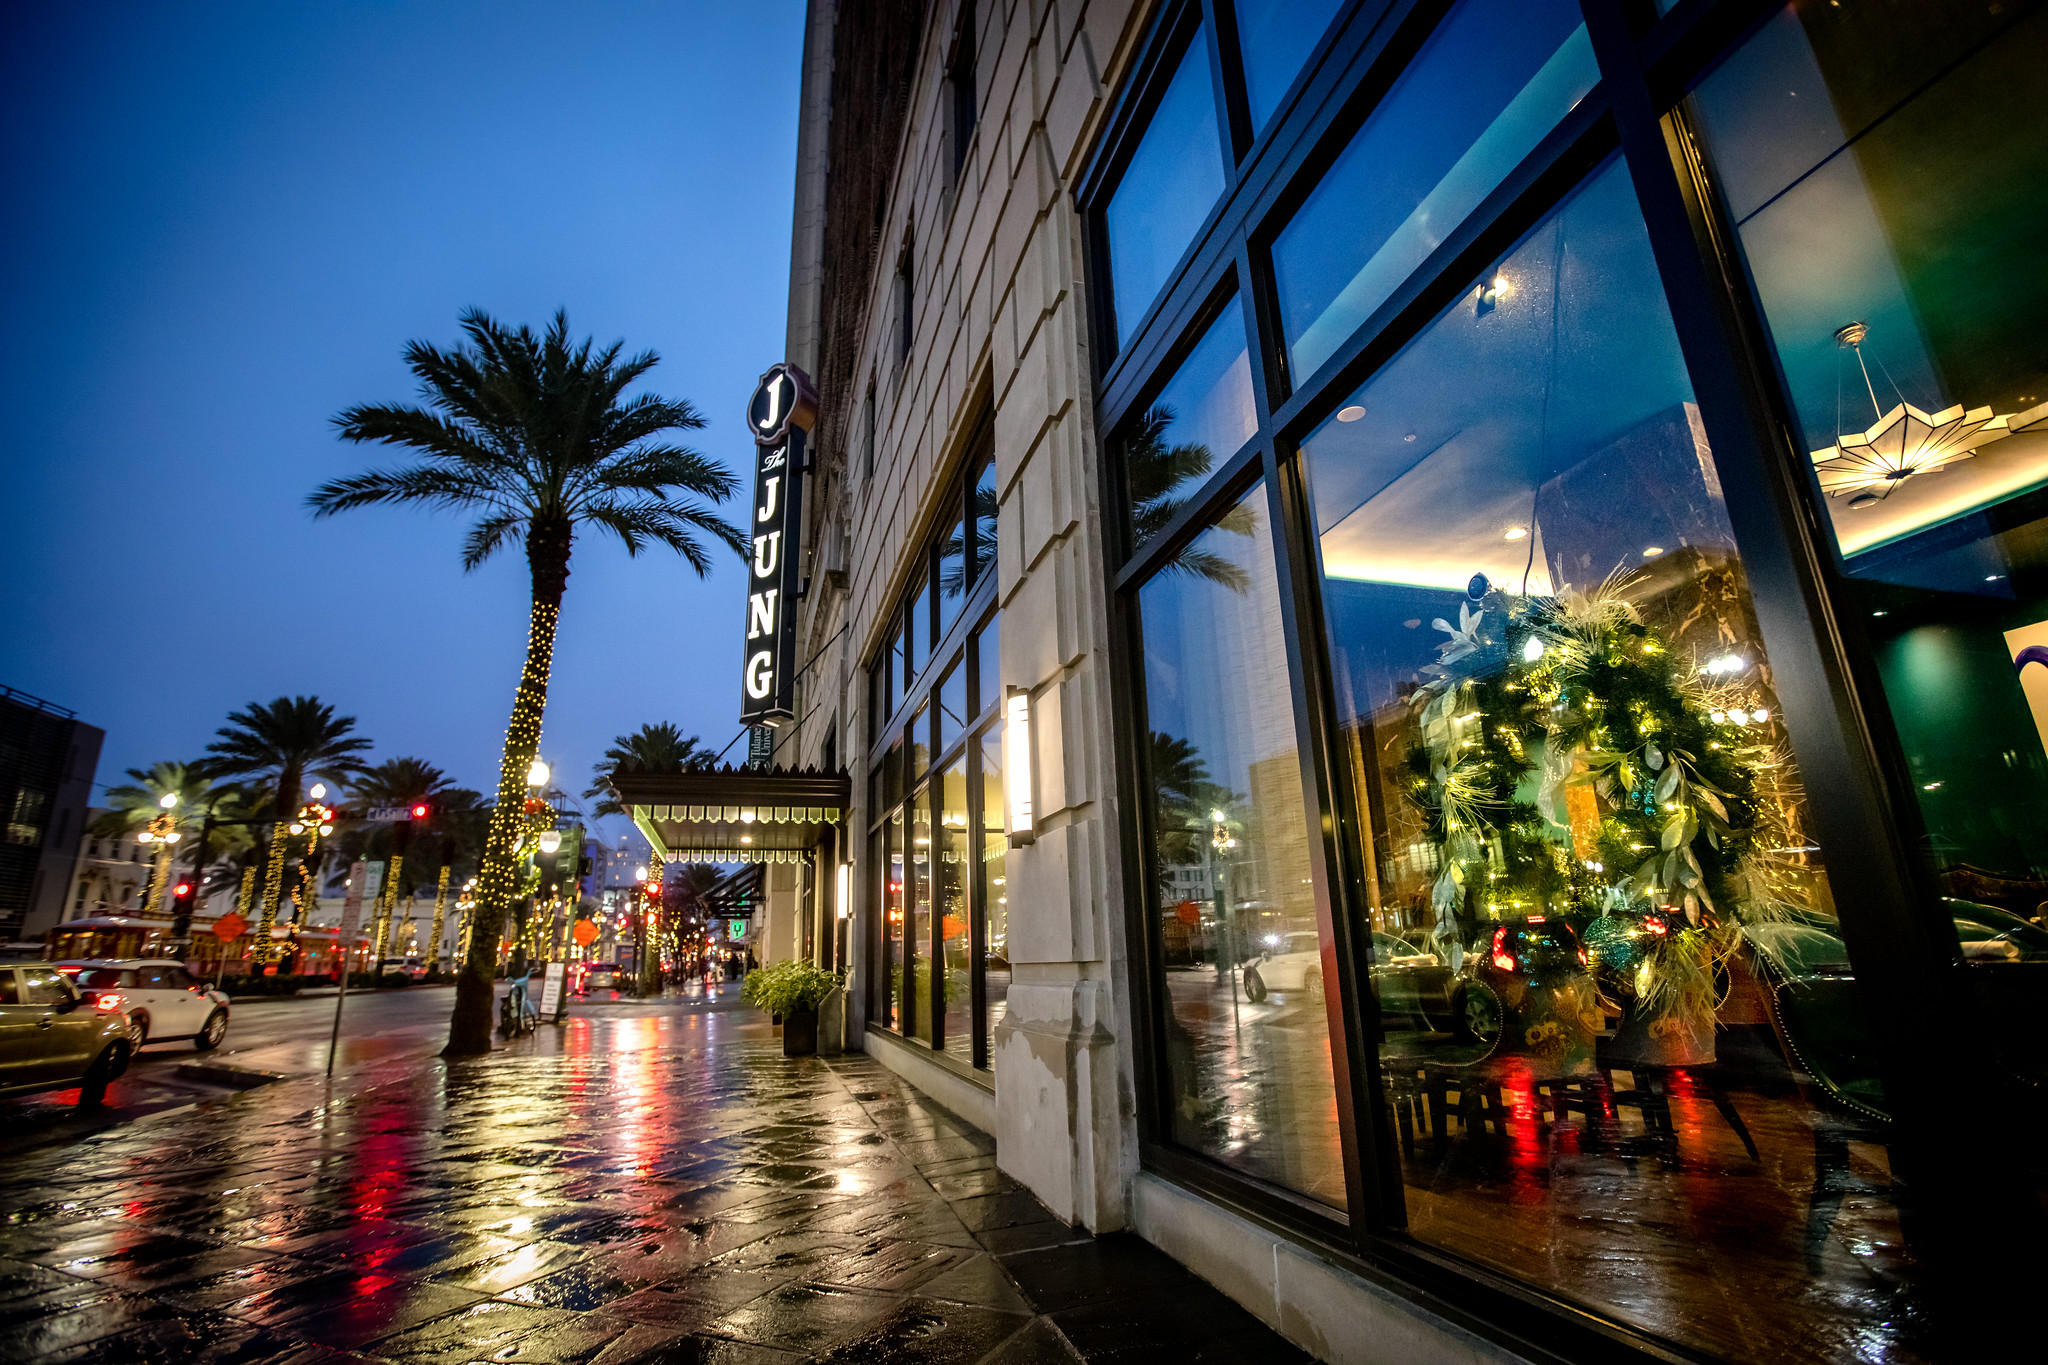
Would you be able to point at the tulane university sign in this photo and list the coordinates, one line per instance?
(780, 416)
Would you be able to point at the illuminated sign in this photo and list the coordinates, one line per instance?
(736, 929)
(780, 416)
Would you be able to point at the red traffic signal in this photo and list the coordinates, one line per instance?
(182, 890)
(419, 812)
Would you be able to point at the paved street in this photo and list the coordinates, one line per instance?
(648, 1183)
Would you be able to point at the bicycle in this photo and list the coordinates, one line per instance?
(518, 1015)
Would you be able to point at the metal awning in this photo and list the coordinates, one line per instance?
(735, 815)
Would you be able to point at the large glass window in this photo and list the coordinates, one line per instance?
(1247, 1031)
(1492, 80)
(930, 936)
(1275, 38)
(1202, 415)
(1887, 173)
(950, 905)
(990, 863)
(1611, 992)
(1174, 178)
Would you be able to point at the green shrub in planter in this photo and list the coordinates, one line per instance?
(786, 988)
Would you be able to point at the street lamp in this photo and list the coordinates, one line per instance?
(537, 775)
(163, 829)
(550, 841)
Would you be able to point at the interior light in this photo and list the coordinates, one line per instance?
(1018, 816)
(1652, 551)
(841, 890)
(1515, 533)
(1350, 414)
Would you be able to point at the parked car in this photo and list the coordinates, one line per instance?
(597, 976)
(1523, 970)
(52, 1037)
(412, 969)
(1406, 981)
(159, 1000)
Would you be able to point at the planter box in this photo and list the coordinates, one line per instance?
(800, 1033)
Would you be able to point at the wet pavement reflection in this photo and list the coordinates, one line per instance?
(644, 1183)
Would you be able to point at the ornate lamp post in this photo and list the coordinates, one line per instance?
(313, 819)
(163, 832)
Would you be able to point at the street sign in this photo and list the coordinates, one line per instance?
(551, 989)
(737, 929)
(780, 414)
(386, 815)
(585, 932)
(229, 927)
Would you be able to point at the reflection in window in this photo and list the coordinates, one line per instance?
(917, 898)
(1490, 83)
(1248, 1043)
(995, 892)
(1172, 181)
(988, 664)
(1605, 953)
(951, 713)
(1886, 174)
(893, 1013)
(1276, 37)
(949, 902)
(1202, 416)
(954, 579)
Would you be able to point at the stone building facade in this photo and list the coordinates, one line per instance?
(1304, 498)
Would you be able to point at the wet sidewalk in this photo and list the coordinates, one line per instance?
(646, 1184)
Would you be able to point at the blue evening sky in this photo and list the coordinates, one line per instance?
(224, 223)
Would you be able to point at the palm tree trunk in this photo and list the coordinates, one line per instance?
(469, 1027)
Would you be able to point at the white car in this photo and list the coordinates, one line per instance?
(159, 998)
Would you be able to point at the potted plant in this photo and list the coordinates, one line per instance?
(794, 991)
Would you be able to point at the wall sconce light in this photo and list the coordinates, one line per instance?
(1019, 817)
(841, 887)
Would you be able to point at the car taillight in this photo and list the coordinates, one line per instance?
(107, 1003)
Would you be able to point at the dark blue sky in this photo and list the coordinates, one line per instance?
(224, 222)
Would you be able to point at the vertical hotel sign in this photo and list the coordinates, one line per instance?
(783, 407)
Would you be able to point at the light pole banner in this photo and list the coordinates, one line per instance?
(780, 416)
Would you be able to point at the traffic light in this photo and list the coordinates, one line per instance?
(419, 810)
(182, 897)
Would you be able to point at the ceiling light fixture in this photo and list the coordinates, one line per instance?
(1905, 441)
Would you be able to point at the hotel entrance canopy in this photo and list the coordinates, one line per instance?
(735, 815)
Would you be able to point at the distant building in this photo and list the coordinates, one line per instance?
(47, 761)
(109, 876)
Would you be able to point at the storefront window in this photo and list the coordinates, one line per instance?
(1619, 1049)
(917, 900)
(1247, 1032)
(1171, 183)
(1276, 37)
(950, 905)
(893, 1012)
(995, 897)
(1492, 80)
(1200, 418)
(1888, 177)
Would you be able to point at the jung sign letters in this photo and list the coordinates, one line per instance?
(783, 407)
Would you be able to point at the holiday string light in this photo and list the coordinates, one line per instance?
(495, 881)
(440, 915)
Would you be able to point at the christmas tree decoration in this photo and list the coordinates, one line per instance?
(1572, 762)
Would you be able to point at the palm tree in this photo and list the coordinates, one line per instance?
(534, 436)
(658, 748)
(1156, 476)
(285, 742)
(133, 804)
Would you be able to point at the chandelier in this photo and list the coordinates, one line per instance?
(1869, 466)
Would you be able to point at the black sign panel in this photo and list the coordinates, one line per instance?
(780, 415)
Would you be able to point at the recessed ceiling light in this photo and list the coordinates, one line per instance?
(1652, 551)
(1993, 577)
(1350, 414)
(1515, 533)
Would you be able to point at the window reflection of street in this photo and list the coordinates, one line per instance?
(1244, 1099)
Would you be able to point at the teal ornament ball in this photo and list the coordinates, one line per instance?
(1609, 940)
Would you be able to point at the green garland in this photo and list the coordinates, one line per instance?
(1577, 691)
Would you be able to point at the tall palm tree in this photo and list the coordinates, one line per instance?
(284, 742)
(534, 435)
(657, 748)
